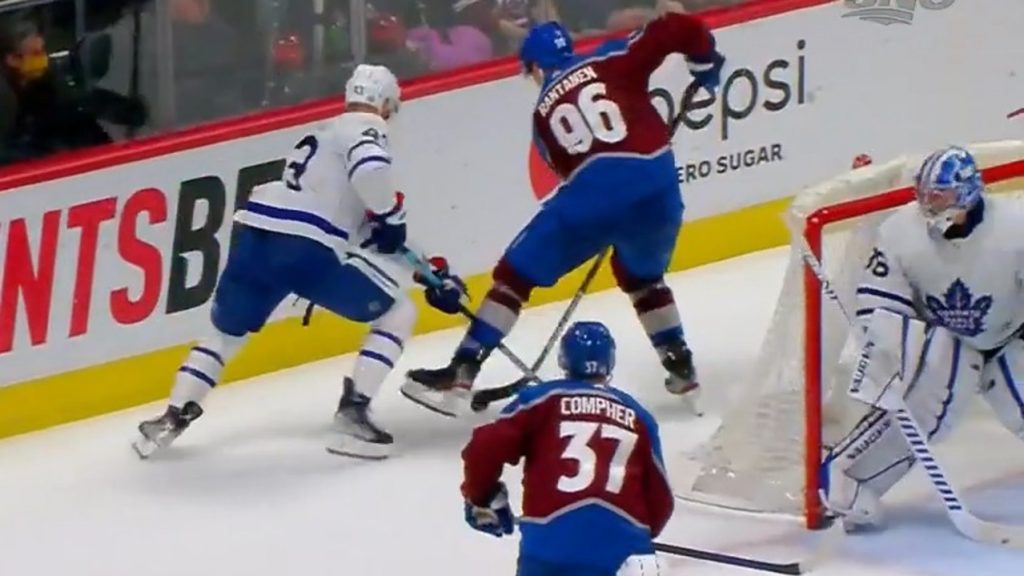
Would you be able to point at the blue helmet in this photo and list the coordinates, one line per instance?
(587, 350)
(947, 183)
(547, 45)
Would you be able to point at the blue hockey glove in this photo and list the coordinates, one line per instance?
(387, 230)
(495, 518)
(446, 296)
(707, 70)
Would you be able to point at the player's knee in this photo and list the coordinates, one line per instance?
(631, 283)
(508, 280)
(1003, 387)
(399, 319)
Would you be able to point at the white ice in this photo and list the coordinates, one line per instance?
(249, 490)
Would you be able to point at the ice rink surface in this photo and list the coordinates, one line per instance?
(249, 489)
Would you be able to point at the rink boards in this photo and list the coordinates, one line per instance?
(110, 257)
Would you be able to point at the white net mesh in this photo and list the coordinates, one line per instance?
(755, 461)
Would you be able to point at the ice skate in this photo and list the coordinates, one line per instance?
(682, 376)
(159, 433)
(445, 390)
(357, 436)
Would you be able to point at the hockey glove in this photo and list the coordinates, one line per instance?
(707, 70)
(446, 296)
(495, 518)
(387, 230)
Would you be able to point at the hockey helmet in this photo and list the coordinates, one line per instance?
(947, 184)
(547, 46)
(375, 86)
(587, 350)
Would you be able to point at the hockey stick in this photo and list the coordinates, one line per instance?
(823, 551)
(965, 522)
(427, 273)
(484, 398)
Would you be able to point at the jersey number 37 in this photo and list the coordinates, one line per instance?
(592, 117)
(589, 461)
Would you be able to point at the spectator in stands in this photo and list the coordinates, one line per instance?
(44, 110)
(448, 39)
(207, 62)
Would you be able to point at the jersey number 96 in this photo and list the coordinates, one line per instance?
(580, 434)
(592, 117)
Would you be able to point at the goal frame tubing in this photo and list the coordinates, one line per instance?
(814, 228)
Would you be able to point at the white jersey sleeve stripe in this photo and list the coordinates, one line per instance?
(360, 144)
(878, 298)
(366, 161)
(279, 213)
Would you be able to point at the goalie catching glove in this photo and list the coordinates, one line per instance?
(445, 290)
(495, 517)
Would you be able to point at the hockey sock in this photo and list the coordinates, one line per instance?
(655, 307)
(497, 314)
(202, 368)
(383, 346)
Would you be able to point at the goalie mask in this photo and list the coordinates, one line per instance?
(947, 186)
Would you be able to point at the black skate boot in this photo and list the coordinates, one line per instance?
(444, 390)
(160, 432)
(358, 436)
(682, 376)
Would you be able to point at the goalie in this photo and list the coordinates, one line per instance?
(941, 306)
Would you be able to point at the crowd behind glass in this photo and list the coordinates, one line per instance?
(78, 73)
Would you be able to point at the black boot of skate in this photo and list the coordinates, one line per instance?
(160, 432)
(358, 436)
(444, 390)
(677, 358)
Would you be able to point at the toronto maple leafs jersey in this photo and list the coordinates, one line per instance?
(972, 286)
(332, 178)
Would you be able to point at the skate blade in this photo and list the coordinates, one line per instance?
(355, 448)
(144, 447)
(689, 393)
(449, 404)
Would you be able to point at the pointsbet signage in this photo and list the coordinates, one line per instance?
(123, 260)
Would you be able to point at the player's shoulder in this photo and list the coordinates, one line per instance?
(1008, 207)
(351, 128)
(627, 400)
(902, 228)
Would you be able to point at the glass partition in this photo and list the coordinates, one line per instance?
(76, 73)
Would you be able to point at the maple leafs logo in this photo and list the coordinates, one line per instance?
(959, 311)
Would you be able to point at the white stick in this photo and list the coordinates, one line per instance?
(965, 522)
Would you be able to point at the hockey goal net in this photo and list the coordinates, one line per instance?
(766, 454)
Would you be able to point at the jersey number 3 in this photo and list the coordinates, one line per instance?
(580, 434)
(299, 162)
(592, 117)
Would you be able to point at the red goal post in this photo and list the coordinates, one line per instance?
(766, 455)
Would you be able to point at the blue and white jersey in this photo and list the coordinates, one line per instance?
(332, 179)
(972, 286)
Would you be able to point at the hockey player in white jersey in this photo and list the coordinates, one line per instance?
(328, 231)
(941, 310)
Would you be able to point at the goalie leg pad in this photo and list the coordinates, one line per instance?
(1002, 386)
(942, 375)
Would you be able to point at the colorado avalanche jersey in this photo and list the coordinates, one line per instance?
(598, 108)
(594, 485)
(972, 286)
(318, 195)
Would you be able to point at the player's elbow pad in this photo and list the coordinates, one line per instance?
(375, 188)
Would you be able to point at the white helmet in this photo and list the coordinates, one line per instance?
(375, 86)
